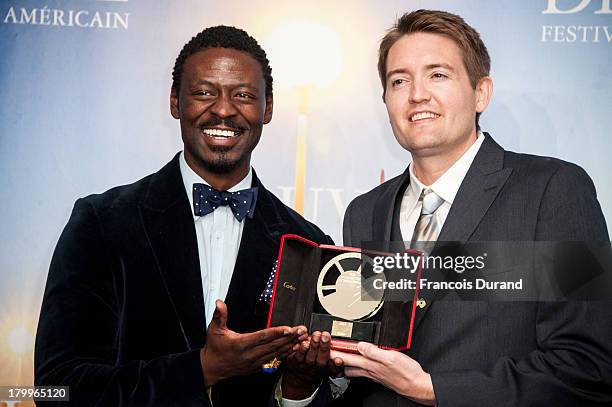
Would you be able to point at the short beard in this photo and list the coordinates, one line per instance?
(221, 163)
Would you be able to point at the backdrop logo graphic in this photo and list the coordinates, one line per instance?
(57, 17)
(576, 33)
(553, 7)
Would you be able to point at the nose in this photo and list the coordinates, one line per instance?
(419, 92)
(223, 106)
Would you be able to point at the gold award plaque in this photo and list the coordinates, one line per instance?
(351, 296)
(342, 328)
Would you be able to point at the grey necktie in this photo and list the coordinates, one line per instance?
(428, 226)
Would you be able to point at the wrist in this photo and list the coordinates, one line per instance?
(429, 395)
(422, 390)
(209, 371)
(298, 388)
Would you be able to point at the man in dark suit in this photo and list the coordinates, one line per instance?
(462, 186)
(138, 270)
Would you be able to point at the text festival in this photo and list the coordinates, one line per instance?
(574, 32)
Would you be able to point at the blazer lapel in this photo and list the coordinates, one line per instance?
(479, 188)
(168, 223)
(258, 250)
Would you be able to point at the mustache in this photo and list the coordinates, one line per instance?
(218, 122)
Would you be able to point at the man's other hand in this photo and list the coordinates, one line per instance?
(228, 353)
(392, 369)
(308, 365)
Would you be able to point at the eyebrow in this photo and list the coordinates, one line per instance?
(203, 82)
(427, 67)
(238, 85)
(440, 65)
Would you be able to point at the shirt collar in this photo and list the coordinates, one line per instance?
(448, 184)
(190, 177)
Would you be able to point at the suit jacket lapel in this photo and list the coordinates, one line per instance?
(482, 183)
(258, 250)
(168, 223)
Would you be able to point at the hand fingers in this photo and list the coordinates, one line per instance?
(372, 352)
(301, 342)
(269, 335)
(337, 354)
(286, 354)
(336, 367)
(356, 372)
(302, 332)
(300, 353)
(278, 348)
(323, 355)
(220, 315)
(349, 359)
(303, 337)
(315, 340)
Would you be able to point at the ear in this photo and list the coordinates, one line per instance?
(174, 103)
(268, 111)
(484, 91)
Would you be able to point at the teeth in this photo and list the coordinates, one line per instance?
(219, 133)
(423, 115)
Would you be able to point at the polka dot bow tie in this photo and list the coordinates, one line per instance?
(206, 199)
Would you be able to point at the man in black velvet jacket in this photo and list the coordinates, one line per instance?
(123, 320)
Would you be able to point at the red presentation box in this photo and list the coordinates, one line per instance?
(332, 288)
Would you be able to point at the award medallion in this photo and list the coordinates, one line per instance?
(345, 292)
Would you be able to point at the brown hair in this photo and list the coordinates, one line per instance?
(475, 55)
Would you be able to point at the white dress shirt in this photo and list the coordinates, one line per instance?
(218, 235)
(445, 187)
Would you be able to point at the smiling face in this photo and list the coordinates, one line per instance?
(222, 107)
(431, 104)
